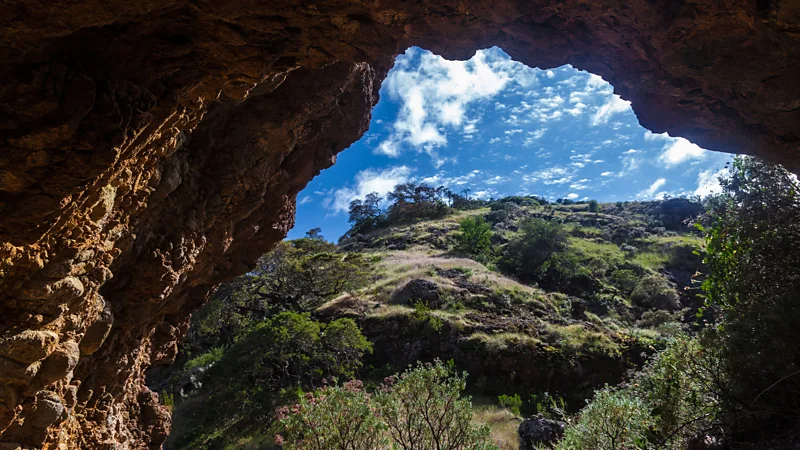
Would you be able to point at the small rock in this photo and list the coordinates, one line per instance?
(537, 430)
(58, 365)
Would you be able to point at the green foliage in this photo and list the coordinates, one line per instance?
(552, 407)
(421, 408)
(278, 356)
(754, 287)
(422, 313)
(296, 275)
(512, 402)
(527, 252)
(475, 236)
(675, 397)
(412, 201)
(681, 387)
(625, 280)
(366, 215)
(613, 420)
(593, 206)
(654, 291)
(207, 359)
(341, 418)
(167, 400)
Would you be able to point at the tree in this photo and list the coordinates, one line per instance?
(296, 275)
(264, 369)
(593, 206)
(753, 285)
(366, 215)
(475, 236)
(527, 252)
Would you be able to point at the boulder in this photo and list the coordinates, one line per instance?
(419, 290)
(537, 430)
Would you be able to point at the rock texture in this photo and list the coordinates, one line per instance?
(151, 149)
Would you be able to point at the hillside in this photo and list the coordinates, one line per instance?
(626, 288)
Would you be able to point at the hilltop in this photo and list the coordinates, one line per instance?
(618, 286)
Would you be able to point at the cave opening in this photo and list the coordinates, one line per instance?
(142, 167)
(498, 128)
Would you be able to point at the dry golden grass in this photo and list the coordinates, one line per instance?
(503, 424)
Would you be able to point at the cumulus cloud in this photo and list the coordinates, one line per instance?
(653, 191)
(679, 150)
(708, 182)
(368, 181)
(572, 196)
(434, 95)
(613, 105)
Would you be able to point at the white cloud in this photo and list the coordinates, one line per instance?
(572, 196)
(630, 152)
(650, 136)
(494, 140)
(550, 74)
(435, 95)
(615, 104)
(650, 192)
(512, 132)
(607, 174)
(368, 181)
(708, 182)
(304, 200)
(679, 150)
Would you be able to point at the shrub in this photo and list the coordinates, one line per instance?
(475, 236)
(593, 206)
(613, 420)
(421, 408)
(340, 418)
(422, 313)
(654, 291)
(512, 402)
(537, 242)
(675, 397)
(625, 280)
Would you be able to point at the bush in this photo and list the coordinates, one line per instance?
(475, 236)
(625, 280)
(512, 402)
(421, 408)
(675, 397)
(593, 206)
(654, 291)
(537, 242)
(332, 418)
(613, 420)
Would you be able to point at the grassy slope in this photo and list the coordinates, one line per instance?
(534, 329)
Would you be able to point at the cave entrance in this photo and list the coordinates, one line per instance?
(495, 127)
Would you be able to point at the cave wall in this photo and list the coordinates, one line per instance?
(152, 149)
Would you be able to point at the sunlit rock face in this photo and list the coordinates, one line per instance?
(152, 149)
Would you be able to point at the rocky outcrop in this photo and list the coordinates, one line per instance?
(151, 149)
(539, 432)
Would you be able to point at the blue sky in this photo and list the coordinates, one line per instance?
(499, 128)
